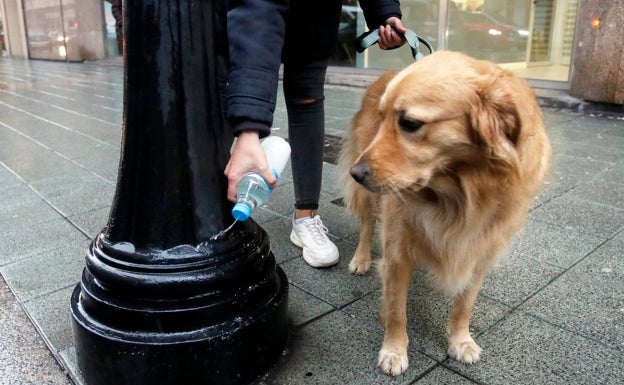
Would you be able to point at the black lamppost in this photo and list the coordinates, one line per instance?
(161, 299)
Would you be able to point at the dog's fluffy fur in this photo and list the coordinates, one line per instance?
(448, 154)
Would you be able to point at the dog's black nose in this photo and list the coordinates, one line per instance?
(359, 172)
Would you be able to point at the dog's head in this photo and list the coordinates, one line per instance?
(441, 116)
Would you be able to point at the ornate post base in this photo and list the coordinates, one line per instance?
(182, 320)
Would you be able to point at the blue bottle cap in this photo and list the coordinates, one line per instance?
(241, 211)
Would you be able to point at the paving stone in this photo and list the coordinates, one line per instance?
(24, 356)
(589, 298)
(47, 272)
(337, 349)
(524, 350)
(19, 242)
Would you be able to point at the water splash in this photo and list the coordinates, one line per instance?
(223, 232)
(124, 247)
(176, 251)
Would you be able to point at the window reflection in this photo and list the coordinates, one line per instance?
(52, 29)
(484, 36)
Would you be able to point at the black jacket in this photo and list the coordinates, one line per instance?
(263, 33)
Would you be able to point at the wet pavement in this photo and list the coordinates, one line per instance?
(551, 312)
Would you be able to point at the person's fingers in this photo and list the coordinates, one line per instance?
(383, 39)
(227, 168)
(231, 191)
(270, 179)
(389, 38)
(232, 184)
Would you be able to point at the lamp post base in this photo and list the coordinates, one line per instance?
(130, 333)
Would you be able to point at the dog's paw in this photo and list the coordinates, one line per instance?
(391, 362)
(359, 266)
(465, 351)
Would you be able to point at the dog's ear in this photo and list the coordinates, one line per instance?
(494, 116)
(495, 119)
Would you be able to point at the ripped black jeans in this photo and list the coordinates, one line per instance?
(304, 85)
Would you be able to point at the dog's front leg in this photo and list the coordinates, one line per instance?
(395, 277)
(462, 346)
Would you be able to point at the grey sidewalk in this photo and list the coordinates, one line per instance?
(551, 313)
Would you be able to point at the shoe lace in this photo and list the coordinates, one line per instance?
(317, 230)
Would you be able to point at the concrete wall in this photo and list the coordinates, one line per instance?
(598, 63)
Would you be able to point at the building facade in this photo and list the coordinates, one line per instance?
(557, 44)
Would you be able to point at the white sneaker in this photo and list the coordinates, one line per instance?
(311, 235)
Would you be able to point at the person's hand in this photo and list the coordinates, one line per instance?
(389, 37)
(247, 156)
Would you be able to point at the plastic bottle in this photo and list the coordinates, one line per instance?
(252, 190)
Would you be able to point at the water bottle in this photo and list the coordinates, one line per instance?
(253, 190)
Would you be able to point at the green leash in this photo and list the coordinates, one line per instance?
(371, 37)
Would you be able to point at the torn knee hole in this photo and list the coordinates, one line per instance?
(302, 102)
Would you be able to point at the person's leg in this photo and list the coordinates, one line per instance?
(303, 91)
(304, 94)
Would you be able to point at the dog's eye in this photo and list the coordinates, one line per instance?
(409, 125)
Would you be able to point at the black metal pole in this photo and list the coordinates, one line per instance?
(160, 300)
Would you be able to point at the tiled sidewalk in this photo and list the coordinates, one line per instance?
(551, 313)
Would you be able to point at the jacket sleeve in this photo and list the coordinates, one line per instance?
(376, 12)
(255, 36)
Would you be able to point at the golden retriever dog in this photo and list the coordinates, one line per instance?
(448, 154)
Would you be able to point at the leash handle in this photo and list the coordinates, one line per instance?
(371, 37)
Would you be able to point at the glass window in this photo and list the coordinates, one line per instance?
(44, 29)
(54, 30)
(551, 39)
(532, 38)
(351, 25)
(112, 45)
(3, 49)
(499, 33)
